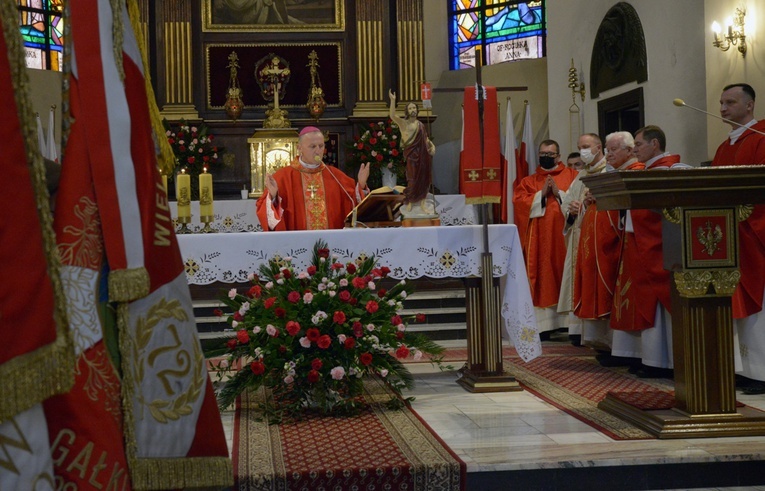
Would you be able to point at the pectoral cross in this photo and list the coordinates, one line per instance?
(312, 188)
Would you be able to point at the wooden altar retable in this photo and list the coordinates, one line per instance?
(705, 274)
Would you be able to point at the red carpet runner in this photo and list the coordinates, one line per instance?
(388, 449)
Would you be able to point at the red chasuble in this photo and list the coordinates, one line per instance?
(311, 199)
(597, 261)
(749, 149)
(642, 281)
(544, 246)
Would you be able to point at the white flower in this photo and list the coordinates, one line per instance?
(403, 294)
(168, 133)
(370, 327)
(401, 327)
(271, 330)
(224, 363)
(234, 324)
(201, 150)
(269, 285)
(383, 373)
(417, 354)
(181, 142)
(215, 156)
(371, 285)
(321, 287)
(344, 282)
(302, 275)
(194, 141)
(394, 137)
(256, 329)
(244, 308)
(232, 293)
(289, 379)
(308, 297)
(373, 153)
(379, 133)
(305, 342)
(391, 302)
(341, 338)
(194, 129)
(280, 281)
(250, 276)
(332, 293)
(338, 373)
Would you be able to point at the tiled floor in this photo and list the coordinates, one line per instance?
(499, 433)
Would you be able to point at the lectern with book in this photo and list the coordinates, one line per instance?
(380, 208)
(706, 271)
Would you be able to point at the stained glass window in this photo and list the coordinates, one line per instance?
(42, 27)
(504, 30)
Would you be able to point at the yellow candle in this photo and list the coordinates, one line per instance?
(183, 194)
(205, 194)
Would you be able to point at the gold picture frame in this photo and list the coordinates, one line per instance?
(273, 15)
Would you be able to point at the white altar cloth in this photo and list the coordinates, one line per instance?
(238, 215)
(435, 252)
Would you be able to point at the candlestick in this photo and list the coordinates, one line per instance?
(205, 194)
(183, 194)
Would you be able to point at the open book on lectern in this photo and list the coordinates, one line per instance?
(380, 208)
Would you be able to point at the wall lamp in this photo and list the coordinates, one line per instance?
(734, 35)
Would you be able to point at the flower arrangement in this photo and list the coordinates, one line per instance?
(310, 335)
(378, 144)
(192, 145)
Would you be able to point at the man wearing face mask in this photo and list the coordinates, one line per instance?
(308, 195)
(540, 222)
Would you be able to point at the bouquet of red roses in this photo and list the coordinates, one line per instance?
(310, 336)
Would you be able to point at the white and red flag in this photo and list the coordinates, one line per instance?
(142, 408)
(36, 358)
(510, 171)
(527, 153)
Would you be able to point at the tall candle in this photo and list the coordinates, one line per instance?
(205, 194)
(184, 194)
(164, 182)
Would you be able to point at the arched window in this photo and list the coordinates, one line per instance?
(503, 30)
(42, 27)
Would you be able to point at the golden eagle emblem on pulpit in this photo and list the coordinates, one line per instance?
(709, 237)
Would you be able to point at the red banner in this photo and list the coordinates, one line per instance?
(481, 179)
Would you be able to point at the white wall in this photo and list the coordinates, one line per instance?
(675, 44)
(45, 90)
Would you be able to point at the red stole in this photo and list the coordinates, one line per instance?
(480, 181)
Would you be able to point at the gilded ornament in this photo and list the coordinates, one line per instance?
(725, 282)
(272, 73)
(234, 105)
(316, 103)
(709, 237)
(744, 212)
(693, 283)
(672, 215)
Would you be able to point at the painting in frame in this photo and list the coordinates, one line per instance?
(273, 15)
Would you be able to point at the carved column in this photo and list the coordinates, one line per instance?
(411, 54)
(174, 45)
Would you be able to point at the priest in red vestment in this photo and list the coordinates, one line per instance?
(745, 145)
(540, 226)
(641, 307)
(307, 194)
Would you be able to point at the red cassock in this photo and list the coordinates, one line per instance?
(597, 261)
(311, 199)
(749, 149)
(544, 247)
(642, 281)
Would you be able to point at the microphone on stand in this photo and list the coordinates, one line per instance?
(681, 103)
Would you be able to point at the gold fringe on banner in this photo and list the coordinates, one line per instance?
(30, 379)
(126, 285)
(165, 155)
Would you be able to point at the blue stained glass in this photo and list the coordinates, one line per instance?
(42, 27)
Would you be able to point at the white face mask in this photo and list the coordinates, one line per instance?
(586, 156)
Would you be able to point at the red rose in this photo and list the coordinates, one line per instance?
(206, 158)
(358, 329)
(344, 296)
(323, 252)
(402, 352)
(365, 359)
(399, 334)
(243, 336)
(231, 344)
(363, 157)
(218, 312)
(420, 318)
(311, 270)
(339, 317)
(312, 334)
(293, 297)
(257, 367)
(353, 301)
(373, 141)
(384, 271)
(359, 282)
(392, 144)
(282, 349)
(396, 320)
(349, 343)
(337, 265)
(379, 157)
(293, 328)
(394, 152)
(255, 291)
(191, 160)
(360, 145)
(389, 130)
(351, 268)
(316, 364)
(372, 125)
(313, 376)
(238, 317)
(280, 312)
(372, 306)
(381, 292)
(170, 141)
(182, 148)
(287, 273)
(269, 302)
(324, 341)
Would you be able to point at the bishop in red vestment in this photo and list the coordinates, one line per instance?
(540, 226)
(746, 146)
(307, 194)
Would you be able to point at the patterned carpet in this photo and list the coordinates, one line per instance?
(379, 449)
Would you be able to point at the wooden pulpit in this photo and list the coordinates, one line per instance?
(701, 209)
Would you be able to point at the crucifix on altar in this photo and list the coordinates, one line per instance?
(272, 74)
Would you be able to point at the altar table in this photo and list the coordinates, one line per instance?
(239, 215)
(435, 252)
